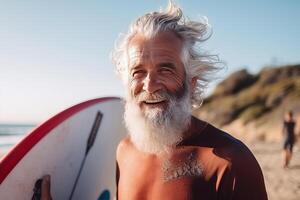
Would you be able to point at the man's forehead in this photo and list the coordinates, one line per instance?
(165, 44)
(167, 39)
(140, 52)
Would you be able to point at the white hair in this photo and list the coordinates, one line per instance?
(199, 65)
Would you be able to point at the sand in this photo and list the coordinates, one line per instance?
(282, 184)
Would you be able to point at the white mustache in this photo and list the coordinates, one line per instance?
(158, 96)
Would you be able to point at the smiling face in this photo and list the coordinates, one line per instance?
(156, 72)
(158, 105)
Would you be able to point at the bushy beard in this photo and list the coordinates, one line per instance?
(157, 129)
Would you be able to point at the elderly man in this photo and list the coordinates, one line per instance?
(169, 154)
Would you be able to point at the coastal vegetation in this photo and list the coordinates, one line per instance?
(253, 105)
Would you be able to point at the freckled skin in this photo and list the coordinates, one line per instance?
(224, 168)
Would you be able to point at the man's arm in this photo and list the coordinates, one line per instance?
(283, 129)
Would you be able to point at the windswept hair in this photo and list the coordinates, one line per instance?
(197, 63)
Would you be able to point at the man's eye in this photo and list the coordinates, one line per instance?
(166, 70)
(137, 73)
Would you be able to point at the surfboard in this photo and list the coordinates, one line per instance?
(77, 147)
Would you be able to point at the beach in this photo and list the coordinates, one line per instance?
(281, 184)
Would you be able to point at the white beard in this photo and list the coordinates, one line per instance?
(156, 129)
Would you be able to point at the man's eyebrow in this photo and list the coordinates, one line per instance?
(137, 67)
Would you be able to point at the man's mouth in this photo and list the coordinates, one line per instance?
(154, 102)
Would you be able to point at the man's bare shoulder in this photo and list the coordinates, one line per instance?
(125, 142)
(124, 146)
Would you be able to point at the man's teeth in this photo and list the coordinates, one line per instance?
(154, 101)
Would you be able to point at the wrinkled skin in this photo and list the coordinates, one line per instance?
(155, 65)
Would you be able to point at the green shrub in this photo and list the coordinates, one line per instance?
(252, 112)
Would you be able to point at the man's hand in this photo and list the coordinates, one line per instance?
(46, 195)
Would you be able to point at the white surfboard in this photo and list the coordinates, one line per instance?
(76, 147)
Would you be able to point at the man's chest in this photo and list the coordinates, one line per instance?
(181, 177)
(138, 185)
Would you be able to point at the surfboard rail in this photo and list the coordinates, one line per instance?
(11, 159)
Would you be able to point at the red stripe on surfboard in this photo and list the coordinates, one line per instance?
(20, 150)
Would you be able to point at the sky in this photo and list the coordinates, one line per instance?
(55, 54)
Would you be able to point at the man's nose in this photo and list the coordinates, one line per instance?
(151, 84)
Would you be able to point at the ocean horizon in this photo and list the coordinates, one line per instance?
(11, 134)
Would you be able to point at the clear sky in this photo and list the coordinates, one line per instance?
(54, 54)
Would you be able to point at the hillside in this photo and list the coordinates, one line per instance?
(252, 106)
